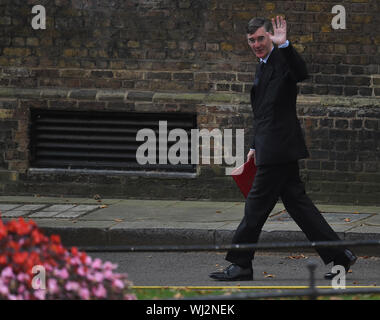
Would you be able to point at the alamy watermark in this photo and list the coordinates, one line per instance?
(339, 281)
(338, 21)
(39, 20)
(178, 153)
(39, 280)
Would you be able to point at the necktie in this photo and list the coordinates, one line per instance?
(259, 71)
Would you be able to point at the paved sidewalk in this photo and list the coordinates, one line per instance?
(93, 222)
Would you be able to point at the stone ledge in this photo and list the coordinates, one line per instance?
(354, 102)
(179, 97)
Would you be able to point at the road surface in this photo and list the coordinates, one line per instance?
(270, 269)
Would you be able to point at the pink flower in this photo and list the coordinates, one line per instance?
(48, 267)
(109, 265)
(108, 275)
(100, 291)
(98, 277)
(118, 284)
(40, 294)
(88, 261)
(3, 289)
(81, 271)
(22, 277)
(63, 274)
(7, 273)
(72, 286)
(21, 289)
(69, 273)
(84, 293)
(97, 264)
(53, 286)
(75, 261)
(90, 277)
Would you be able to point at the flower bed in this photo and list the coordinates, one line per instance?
(34, 267)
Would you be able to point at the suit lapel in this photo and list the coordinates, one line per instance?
(265, 76)
(259, 93)
(260, 90)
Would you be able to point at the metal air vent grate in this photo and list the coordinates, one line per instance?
(100, 140)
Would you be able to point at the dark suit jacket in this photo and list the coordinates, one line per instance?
(277, 134)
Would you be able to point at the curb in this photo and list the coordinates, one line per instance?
(99, 237)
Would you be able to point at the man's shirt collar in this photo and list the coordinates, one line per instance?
(284, 45)
(267, 57)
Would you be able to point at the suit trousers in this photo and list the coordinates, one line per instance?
(272, 182)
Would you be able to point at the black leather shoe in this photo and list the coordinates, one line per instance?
(347, 261)
(233, 273)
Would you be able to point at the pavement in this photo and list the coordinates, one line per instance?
(102, 222)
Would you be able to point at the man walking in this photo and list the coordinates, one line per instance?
(277, 146)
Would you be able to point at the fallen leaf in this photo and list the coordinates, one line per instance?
(347, 219)
(296, 257)
(268, 275)
(218, 211)
(103, 206)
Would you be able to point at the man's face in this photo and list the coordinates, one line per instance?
(260, 43)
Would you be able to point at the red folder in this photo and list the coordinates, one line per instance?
(244, 176)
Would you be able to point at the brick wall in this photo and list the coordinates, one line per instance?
(183, 45)
(343, 139)
(197, 47)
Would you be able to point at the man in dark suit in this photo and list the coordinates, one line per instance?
(277, 146)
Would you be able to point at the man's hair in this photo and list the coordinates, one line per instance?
(256, 23)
